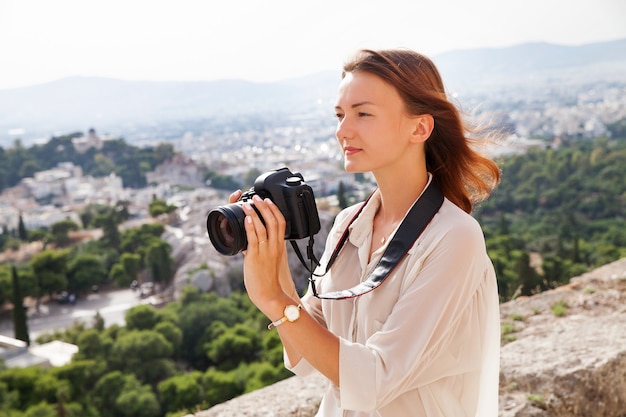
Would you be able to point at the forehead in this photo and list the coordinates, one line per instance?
(358, 87)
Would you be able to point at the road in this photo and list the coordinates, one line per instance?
(52, 316)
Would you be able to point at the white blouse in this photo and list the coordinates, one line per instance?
(426, 343)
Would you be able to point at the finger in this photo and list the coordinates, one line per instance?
(280, 220)
(255, 231)
(272, 217)
(234, 196)
(253, 241)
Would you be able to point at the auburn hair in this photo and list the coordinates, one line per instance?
(464, 175)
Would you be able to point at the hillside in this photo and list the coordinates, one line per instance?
(569, 365)
(532, 63)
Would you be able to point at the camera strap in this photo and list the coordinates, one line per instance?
(420, 215)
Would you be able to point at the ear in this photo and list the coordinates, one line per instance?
(422, 127)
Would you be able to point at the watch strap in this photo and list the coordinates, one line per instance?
(284, 318)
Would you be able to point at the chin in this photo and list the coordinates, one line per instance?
(354, 168)
(351, 166)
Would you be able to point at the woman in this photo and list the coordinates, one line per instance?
(426, 341)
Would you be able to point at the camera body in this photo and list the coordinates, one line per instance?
(287, 190)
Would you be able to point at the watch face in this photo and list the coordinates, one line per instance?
(292, 313)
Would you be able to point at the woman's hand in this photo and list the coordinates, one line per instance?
(270, 287)
(286, 281)
(266, 254)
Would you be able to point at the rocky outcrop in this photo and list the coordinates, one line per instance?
(563, 354)
(293, 397)
(567, 349)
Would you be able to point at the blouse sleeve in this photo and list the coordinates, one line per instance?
(441, 304)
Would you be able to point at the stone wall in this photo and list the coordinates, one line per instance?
(563, 354)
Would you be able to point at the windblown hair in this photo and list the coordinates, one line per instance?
(464, 175)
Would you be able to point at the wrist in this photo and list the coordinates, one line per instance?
(291, 313)
(275, 308)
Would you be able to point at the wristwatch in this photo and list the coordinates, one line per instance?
(291, 314)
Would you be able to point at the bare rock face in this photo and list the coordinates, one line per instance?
(563, 354)
(293, 397)
(567, 349)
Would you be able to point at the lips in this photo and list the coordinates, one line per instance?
(350, 150)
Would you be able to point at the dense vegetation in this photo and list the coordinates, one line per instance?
(563, 207)
(196, 352)
(116, 258)
(128, 162)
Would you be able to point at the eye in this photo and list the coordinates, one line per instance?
(339, 116)
(363, 114)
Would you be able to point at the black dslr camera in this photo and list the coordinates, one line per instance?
(287, 190)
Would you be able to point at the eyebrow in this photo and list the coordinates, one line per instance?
(355, 105)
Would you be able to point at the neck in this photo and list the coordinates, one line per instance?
(398, 195)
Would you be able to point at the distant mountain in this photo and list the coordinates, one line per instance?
(532, 61)
(79, 103)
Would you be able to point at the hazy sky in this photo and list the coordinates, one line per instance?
(43, 40)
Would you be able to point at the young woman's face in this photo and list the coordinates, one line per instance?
(373, 128)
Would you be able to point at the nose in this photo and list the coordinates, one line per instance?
(343, 131)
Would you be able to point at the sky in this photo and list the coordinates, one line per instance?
(257, 40)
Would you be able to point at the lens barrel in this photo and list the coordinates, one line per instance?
(225, 226)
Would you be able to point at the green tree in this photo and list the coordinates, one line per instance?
(24, 381)
(60, 232)
(117, 394)
(131, 262)
(42, 409)
(527, 275)
(29, 168)
(159, 262)
(109, 222)
(221, 386)
(172, 334)
(142, 317)
(341, 195)
(20, 323)
(259, 375)
(158, 207)
(109, 387)
(50, 269)
(138, 402)
(618, 128)
(93, 344)
(196, 318)
(84, 271)
(103, 165)
(8, 400)
(119, 276)
(81, 374)
(221, 182)
(22, 233)
(98, 322)
(134, 240)
(6, 284)
(181, 392)
(232, 345)
(145, 353)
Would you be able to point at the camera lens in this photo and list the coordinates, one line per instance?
(226, 229)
